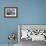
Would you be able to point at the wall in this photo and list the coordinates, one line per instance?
(29, 12)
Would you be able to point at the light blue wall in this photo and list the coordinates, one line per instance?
(29, 12)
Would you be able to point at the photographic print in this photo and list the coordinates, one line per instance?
(10, 11)
(32, 32)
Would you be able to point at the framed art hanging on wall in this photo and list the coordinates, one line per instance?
(11, 12)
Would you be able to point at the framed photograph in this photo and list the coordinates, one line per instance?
(11, 12)
(33, 32)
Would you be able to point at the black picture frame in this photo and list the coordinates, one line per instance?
(10, 12)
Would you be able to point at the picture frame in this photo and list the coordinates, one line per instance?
(37, 29)
(10, 12)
